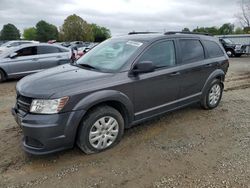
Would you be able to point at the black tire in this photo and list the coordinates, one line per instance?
(2, 76)
(88, 122)
(230, 53)
(205, 102)
(238, 55)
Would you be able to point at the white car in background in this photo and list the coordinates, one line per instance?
(15, 43)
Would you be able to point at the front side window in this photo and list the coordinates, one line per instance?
(191, 50)
(161, 54)
(28, 51)
(213, 49)
(111, 55)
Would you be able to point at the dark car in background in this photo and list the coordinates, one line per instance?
(119, 83)
(232, 49)
(30, 58)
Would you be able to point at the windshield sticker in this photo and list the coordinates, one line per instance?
(134, 43)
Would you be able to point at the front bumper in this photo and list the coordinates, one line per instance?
(44, 134)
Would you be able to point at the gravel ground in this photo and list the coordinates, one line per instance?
(190, 147)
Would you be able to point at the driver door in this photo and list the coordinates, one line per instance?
(154, 92)
(25, 62)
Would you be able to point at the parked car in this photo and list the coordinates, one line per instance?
(83, 50)
(233, 49)
(121, 82)
(30, 58)
(14, 43)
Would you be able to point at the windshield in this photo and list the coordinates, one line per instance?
(228, 41)
(110, 55)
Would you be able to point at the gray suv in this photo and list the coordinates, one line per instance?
(30, 58)
(121, 82)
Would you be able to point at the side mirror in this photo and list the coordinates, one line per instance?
(13, 55)
(143, 67)
(8, 46)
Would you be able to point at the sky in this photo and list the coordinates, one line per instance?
(122, 16)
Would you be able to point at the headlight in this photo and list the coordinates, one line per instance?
(53, 106)
(238, 46)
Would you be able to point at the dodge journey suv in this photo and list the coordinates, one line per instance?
(121, 82)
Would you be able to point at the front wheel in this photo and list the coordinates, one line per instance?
(2, 76)
(101, 129)
(230, 53)
(212, 95)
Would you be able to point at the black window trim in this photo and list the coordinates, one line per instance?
(149, 46)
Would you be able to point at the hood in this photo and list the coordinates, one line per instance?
(56, 81)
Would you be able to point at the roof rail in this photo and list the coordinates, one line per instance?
(143, 32)
(186, 32)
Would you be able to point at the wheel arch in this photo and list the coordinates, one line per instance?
(112, 98)
(217, 74)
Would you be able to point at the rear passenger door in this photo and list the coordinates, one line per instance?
(51, 56)
(194, 67)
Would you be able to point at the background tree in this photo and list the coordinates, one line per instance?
(75, 28)
(100, 33)
(210, 30)
(226, 29)
(46, 31)
(186, 29)
(244, 14)
(30, 33)
(10, 32)
(239, 30)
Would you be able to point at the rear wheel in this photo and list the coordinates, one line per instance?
(238, 55)
(101, 129)
(212, 95)
(2, 76)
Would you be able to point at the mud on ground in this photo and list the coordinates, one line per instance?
(190, 147)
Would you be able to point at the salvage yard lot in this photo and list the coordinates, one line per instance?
(190, 147)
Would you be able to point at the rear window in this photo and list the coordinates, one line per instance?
(213, 49)
(191, 50)
(47, 50)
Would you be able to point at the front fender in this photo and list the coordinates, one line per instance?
(105, 96)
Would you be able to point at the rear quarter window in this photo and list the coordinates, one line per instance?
(191, 50)
(213, 49)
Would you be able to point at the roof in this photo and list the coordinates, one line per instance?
(146, 37)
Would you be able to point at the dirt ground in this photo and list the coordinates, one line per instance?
(190, 147)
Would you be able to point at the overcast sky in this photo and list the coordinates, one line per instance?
(122, 16)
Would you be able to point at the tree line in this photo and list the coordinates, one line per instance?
(74, 28)
(225, 29)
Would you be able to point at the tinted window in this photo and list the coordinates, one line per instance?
(191, 50)
(213, 49)
(47, 49)
(63, 50)
(161, 54)
(27, 51)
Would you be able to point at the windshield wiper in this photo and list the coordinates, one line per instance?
(87, 66)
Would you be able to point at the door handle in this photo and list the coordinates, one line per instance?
(34, 59)
(175, 74)
(209, 65)
(58, 56)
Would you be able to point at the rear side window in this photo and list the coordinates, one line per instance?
(191, 50)
(47, 49)
(213, 49)
(161, 54)
(27, 51)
